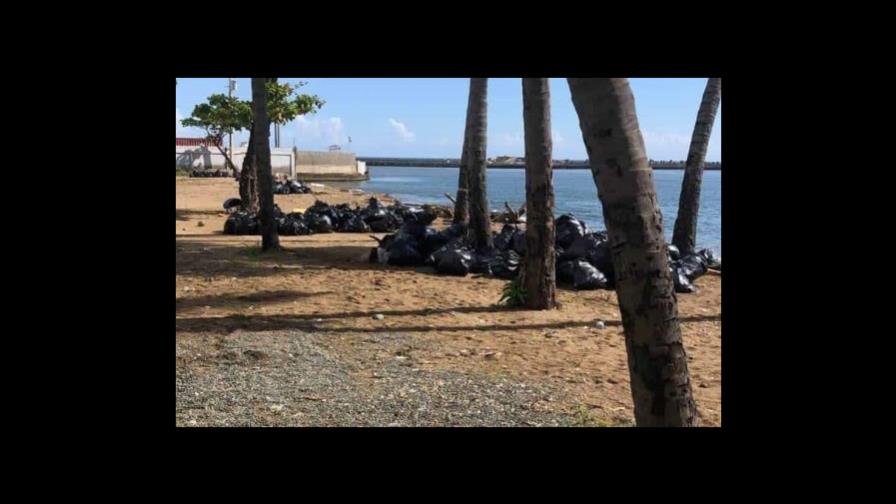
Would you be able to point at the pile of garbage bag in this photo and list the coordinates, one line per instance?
(291, 187)
(583, 257)
(211, 173)
(325, 218)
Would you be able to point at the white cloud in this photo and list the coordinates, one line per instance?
(328, 130)
(403, 132)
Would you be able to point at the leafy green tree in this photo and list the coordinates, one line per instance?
(220, 115)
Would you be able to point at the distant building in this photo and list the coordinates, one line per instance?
(506, 160)
(194, 142)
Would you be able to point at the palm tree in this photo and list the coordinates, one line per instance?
(660, 383)
(685, 234)
(480, 220)
(538, 278)
(262, 124)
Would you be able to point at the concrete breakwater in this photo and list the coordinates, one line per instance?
(558, 164)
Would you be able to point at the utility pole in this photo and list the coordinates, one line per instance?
(231, 87)
(276, 135)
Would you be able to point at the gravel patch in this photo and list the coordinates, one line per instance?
(293, 379)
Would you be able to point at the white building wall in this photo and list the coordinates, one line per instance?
(202, 157)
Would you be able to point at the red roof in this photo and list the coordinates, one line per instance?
(191, 142)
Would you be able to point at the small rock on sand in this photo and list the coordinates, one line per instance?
(200, 224)
(600, 324)
(493, 355)
(378, 316)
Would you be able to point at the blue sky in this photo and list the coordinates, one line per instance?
(425, 117)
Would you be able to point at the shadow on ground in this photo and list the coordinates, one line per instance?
(310, 322)
(256, 297)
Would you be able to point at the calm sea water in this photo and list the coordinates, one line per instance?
(574, 192)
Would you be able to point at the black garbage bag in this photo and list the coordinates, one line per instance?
(565, 271)
(432, 240)
(594, 250)
(379, 225)
(422, 216)
(403, 251)
(568, 228)
(588, 246)
(415, 229)
(386, 224)
(503, 239)
(587, 277)
(682, 284)
(295, 187)
(452, 260)
(232, 203)
(674, 253)
(381, 251)
(405, 212)
(518, 243)
(277, 212)
(241, 223)
(455, 230)
(693, 266)
(481, 264)
(712, 260)
(281, 188)
(292, 226)
(505, 264)
(369, 213)
(375, 205)
(318, 223)
(324, 210)
(354, 224)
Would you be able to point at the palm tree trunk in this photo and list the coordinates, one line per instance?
(538, 278)
(661, 385)
(684, 235)
(480, 220)
(462, 203)
(249, 176)
(269, 238)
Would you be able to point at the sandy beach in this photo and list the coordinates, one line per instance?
(290, 338)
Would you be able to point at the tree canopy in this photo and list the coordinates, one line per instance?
(222, 114)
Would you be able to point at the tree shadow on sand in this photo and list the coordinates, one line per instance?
(310, 323)
(186, 303)
(183, 215)
(238, 257)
